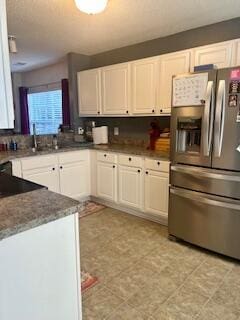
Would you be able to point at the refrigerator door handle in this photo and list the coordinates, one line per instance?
(208, 120)
(197, 172)
(202, 198)
(219, 119)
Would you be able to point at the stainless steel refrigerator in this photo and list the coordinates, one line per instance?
(204, 206)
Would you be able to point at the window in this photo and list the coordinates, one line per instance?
(45, 110)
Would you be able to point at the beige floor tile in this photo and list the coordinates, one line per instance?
(126, 312)
(100, 305)
(207, 278)
(228, 295)
(149, 298)
(127, 283)
(213, 311)
(182, 305)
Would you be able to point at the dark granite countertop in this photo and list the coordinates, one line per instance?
(127, 149)
(28, 210)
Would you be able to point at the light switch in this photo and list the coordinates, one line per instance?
(116, 131)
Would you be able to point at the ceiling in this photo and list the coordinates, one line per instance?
(47, 30)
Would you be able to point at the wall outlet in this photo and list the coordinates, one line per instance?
(116, 131)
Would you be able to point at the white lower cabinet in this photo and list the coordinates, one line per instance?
(67, 173)
(156, 192)
(107, 181)
(74, 179)
(130, 186)
(46, 176)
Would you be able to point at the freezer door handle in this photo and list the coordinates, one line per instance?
(208, 119)
(202, 198)
(219, 118)
(197, 172)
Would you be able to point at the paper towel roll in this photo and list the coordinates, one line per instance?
(96, 135)
(100, 135)
(104, 134)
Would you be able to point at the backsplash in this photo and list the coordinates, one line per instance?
(132, 130)
(25, 141)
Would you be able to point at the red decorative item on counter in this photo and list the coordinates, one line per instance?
(154, 134)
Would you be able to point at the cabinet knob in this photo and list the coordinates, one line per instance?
(130, 159)
(98, 112)
(139, 171)
(105, 155)
(114, 167)
(146, 172)
(127, 111)
(53, 169)
(61, 167)
(153, 110)
(161, 110)
(158, 163)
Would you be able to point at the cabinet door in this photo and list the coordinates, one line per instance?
(236, 53)
(130, 186)
(219, 54)
(156, 192)
(47, 176)
(144, 85)
(170, 65)
(115, 89)
(89, 98)
(6, 99)
(107, 181)
(75, 179)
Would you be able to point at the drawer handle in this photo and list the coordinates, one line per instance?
(105, 155)
(114, 167)
(61, 167)
(153, 110)
(146, 172)
(158, 163)
(98, 112)
(53, 169)
(161, 110)
(130, 159)
(127, 111)
(139, 171)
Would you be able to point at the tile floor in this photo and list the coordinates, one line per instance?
(144, 276)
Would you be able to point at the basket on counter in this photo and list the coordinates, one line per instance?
(162, 144)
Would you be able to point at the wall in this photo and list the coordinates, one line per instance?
(49, 74)
(222, 31)
(76, 62)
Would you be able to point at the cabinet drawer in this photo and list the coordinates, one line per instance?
(107, 157)
(129, 160)
(158, 165)
(73, 156)
(39, 162)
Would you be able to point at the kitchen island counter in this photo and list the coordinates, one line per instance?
(28, 210)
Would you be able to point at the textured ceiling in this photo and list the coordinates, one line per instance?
(46, 30)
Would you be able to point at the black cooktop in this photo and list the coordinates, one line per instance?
(10, 186)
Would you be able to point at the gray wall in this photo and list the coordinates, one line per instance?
(217, 32)
(76, 62)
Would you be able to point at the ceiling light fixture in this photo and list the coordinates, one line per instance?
(91, 6)
(12, 44)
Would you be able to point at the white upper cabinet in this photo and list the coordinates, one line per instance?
(236, 53)
(170, 64)
(6, 99)
(219, 54)
(116, 89)
(144, 85)
(89, 92)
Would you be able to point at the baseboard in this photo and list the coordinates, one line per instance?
(155, 218)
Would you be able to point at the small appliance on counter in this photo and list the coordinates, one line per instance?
(100, 135)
